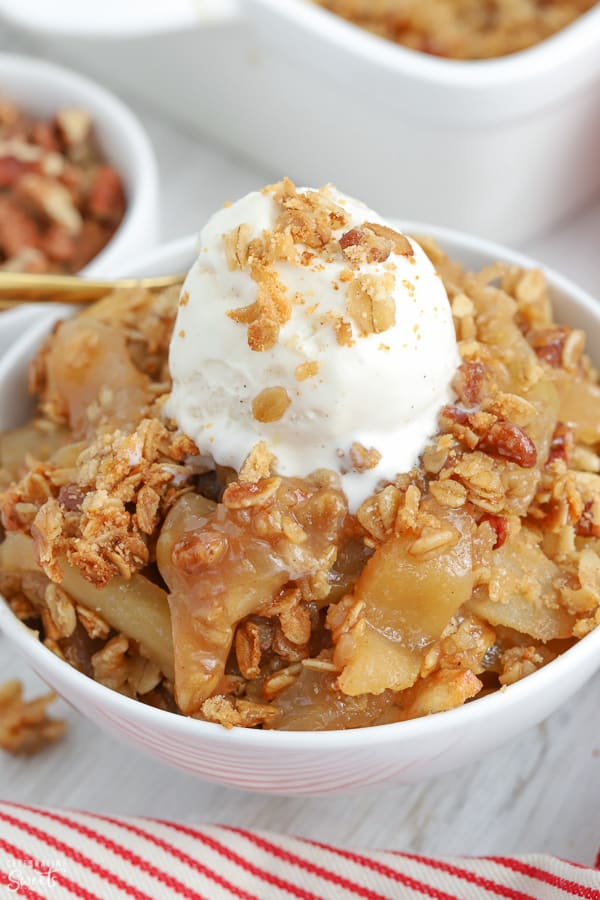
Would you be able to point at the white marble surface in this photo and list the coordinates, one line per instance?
(539, 793)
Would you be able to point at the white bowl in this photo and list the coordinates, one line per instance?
(40, 88)
(312, 762)
(502, 147)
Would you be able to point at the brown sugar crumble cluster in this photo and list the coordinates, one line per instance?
(60, 202)
(462, 29)
(305, 234)
(255, 600)
(307, 222)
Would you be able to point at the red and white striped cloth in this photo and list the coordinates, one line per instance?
(54, 854)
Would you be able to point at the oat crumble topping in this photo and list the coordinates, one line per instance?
(270, 404)
(307, 222)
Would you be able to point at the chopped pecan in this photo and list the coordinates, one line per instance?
(11, 170)
(107, 199)
(549, 343)
(54, 185)
(400, 243)
(499, 525)
(18, 230)
(562, 444)
(58, 244)
(90, 241)
(362, 245)
(455, 414)
(586, 525)
(510, 442)
(310, 217)
(70, 497)
(470, 383)
(44, 135)
(351, 238)
(52, 199)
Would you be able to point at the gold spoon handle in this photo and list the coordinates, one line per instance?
(17, 287)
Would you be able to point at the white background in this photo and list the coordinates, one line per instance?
(539, 793)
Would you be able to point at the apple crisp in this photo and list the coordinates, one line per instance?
(462, 29)
(255, 600)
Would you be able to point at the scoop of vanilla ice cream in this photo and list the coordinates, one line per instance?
(357, 373)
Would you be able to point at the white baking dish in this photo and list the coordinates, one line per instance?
(502, 147)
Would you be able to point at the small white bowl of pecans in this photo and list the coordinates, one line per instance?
(284, 719)
(78, 176)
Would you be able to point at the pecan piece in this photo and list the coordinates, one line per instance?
(18, 229)
(469, 382)
(351, 238)
(548, 344)
(11, 170)
(361, 245)
(44, 135)
(499, 525)
(400, 243)
(70, 497)
(562, 444)
(58, 244)
(454, 414)
(90, 241)
(107, 199)
(510, 442)
(586, 526)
